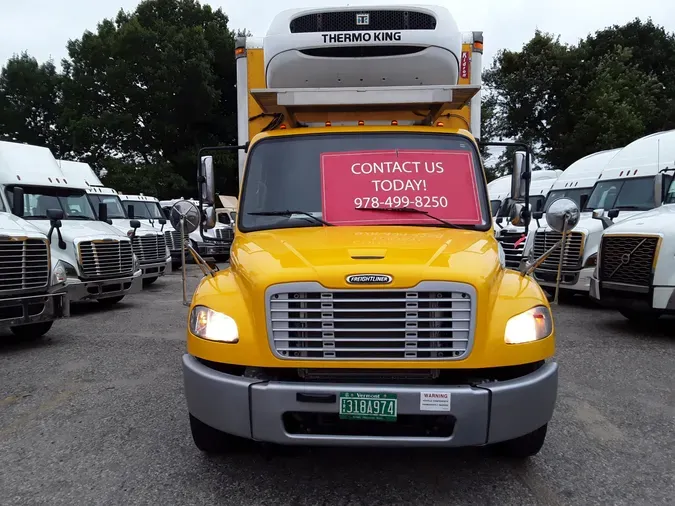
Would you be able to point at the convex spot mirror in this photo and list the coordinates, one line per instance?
(189, 212)
(563, 214)
(518, 186)
(206, 179)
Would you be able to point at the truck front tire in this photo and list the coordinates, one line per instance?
(31, 331)
(523, 446)
(213, 441)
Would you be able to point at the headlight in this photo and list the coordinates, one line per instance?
(592, 261)
(212, 325)
(59, 274)
(137, 263)
(532, 325)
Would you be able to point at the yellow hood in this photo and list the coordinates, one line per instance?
(329, 254)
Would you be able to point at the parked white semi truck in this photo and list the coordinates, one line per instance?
(32, 287)
(626, 187)
(513, 238)
(635, 273)
(218, 250)
(98, 258)
(148, 243)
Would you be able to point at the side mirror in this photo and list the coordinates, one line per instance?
(538, 215)
(17, 202)
(599, 214)
(519, 170)
(135, 224)
(55, 216)
(658, 189)
(613, 213)
(103, 212)
(206, 180)
(210, 218)
(516, 214)
(130, 211)
(162, 221)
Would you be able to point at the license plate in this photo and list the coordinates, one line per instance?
(366, 406)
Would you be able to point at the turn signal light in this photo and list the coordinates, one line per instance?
(394, 122)
(439, 124)
(282, 127)
(361, 123)
(328, 123)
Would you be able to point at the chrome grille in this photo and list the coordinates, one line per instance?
(627, 259)
(106, 259)
(544, 240)
(224, 233)
(24, 264)
(513, 249)
(149, 248)
(433, 321)
(343, 21)
(172, 238)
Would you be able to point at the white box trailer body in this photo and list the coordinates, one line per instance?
(32, 288)
(98, 258)
(576, 183)
(626, 186)
(149, 244)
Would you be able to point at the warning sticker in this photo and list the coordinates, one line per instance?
(434, 401)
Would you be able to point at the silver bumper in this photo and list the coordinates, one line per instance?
(81, 290)
(16, 311)
(156, 269)
(254, 409)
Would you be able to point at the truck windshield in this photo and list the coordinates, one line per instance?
(574, 194)
(348, 179)
(115, 209)
(37, 200)
(670, 193)
(634, 194)
(494, 206)
(145, 210)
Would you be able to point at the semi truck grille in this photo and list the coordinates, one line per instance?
(225, 234)
(24, 264)
(544, 240)
(172, 238)
(106, 259)
(376, 20)
(512, 252)
(149, 248)
(434, 321)
(627, 259)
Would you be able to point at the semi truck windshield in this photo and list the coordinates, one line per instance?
(629, 194)
(334, 176)
(574, 194)
(38, 200)
(115, 209)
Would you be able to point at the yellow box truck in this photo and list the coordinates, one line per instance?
(367, 301)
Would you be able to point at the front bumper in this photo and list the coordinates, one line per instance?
(82, 290)
(156, 269)
(15, 311)
(618, 296)
(576, 281)
(483, 414)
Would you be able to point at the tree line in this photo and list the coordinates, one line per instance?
(142, 93)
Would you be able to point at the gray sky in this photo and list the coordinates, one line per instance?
(42, 27)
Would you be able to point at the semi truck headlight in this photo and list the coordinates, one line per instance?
(592, 260)
(532, 325)
(59, 274)
(137, 263)
(212, 325)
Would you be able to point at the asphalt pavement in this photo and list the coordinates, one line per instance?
(94, 414)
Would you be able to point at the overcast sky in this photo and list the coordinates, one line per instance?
(42, 27)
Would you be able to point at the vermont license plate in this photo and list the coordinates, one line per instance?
(366, 406)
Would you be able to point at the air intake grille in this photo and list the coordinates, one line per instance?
(106, 259)
(433, 323)
(172, 238)
(627, 259)
(24, 264)
(225, 234)
(150, 248)
(345, 21)
(513, 250)
(544, 240)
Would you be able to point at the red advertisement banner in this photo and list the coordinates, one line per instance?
(442, 183)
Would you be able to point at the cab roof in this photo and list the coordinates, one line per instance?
(26, 164)
(643, 157)
(585, 172)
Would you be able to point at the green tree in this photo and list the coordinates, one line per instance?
(151, 87)
(31, 103)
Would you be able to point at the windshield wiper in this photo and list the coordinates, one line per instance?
(632, 208)
(289, 213)
(78, 218)
(415, 211)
